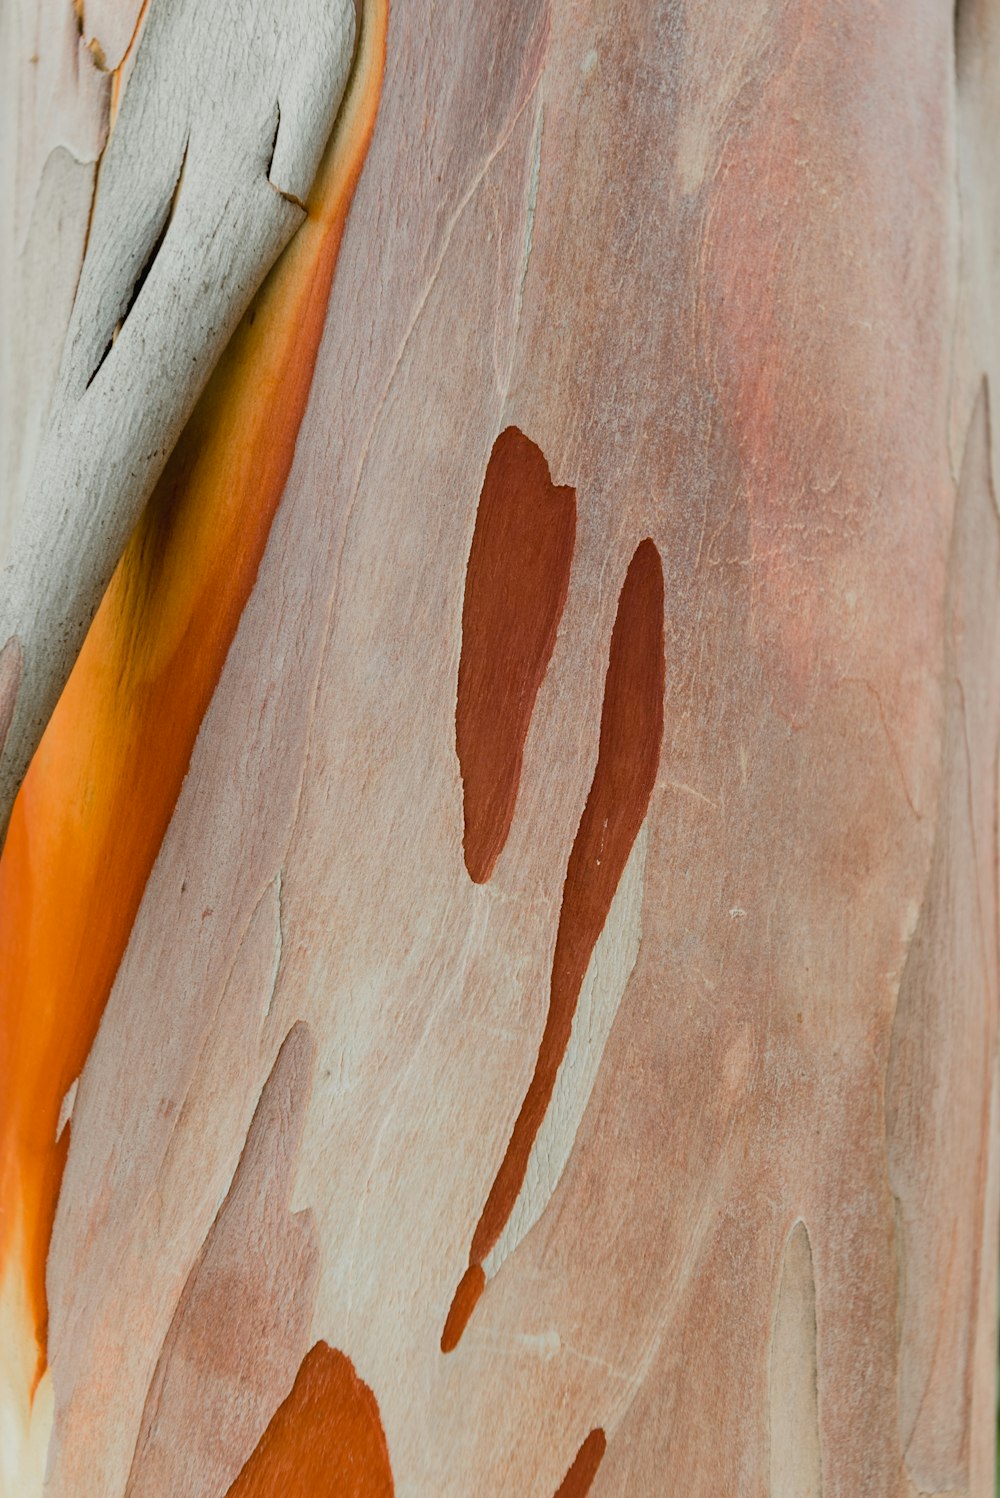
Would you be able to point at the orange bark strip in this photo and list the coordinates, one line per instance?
(100, 792)
(466, 1298)
(577, 1482)
(515, 592)
(627, 760)
(325, 1441)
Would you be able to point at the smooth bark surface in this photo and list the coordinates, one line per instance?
(555, 1051)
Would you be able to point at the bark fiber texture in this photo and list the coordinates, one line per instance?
(499, 950)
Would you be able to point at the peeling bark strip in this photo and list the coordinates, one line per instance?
(579, 1479)
(173, 259)
(515, 592)
(627, 761)
(325, 1441)
(793, 1399)
(131, 710)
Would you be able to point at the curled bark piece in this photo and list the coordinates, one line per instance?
(200, 189)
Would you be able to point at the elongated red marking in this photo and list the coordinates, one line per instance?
(627, 760)
(577, 1482)
(515, 590)
(470, 1288)
(584, 1470)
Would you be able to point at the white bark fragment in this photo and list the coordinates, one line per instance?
(53, 125)
(217, 142)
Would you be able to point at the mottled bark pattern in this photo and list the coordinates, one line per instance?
(728, 272)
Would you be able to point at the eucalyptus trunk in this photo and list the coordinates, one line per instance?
(499, 742)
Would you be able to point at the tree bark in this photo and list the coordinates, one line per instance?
(499, 936)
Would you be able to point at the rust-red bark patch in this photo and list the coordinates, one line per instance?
(324, 1441)
(515, 590)
(627, 760)
(577, 1482)
(470, 1288)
